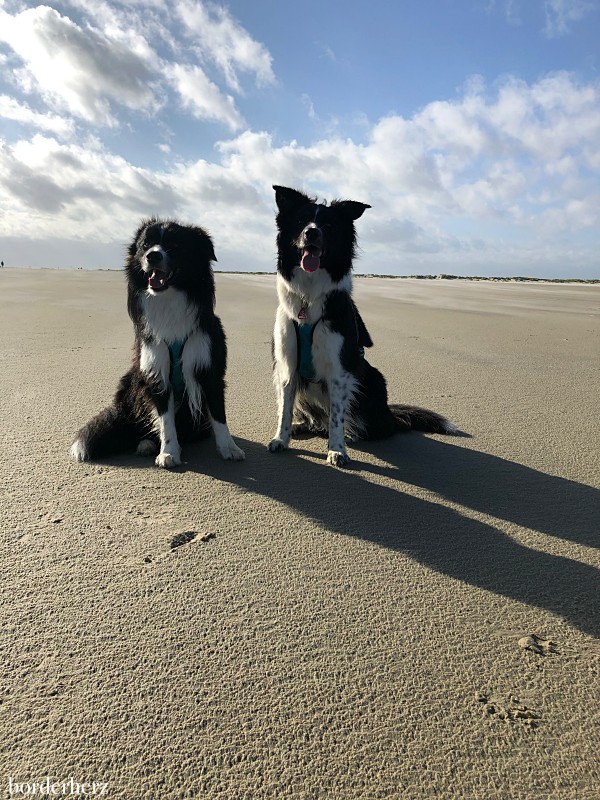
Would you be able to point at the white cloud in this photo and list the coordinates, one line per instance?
(508, 166)
(222, 41)
(81, 190)
(560, 14)
(308, 105)
(19, 112)
(202, 97)
(75, 69)
(126, 56)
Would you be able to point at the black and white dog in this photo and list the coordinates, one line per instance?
(176, 384)
(323, 381)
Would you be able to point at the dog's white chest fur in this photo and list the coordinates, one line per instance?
(308, 291)
(169, 316)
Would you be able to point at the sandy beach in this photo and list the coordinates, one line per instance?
(423, 624)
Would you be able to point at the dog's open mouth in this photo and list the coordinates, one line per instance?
(158, 280)
(311, 258)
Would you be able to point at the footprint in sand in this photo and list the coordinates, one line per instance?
(182, 538)
(536, 644)
(512, 710)
(179, 540)
(189, 536)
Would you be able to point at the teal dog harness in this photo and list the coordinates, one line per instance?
(304, 337)
(304, 341)
(176, 372)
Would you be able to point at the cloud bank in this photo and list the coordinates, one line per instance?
(503, 178)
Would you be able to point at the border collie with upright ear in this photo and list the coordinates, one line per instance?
(176, 385)
(324, 383)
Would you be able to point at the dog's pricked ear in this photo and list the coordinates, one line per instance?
(351, 208)
(287, 199)
(209, 248)
(201, 242)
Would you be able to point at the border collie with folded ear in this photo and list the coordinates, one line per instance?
(323, 381)
(176, 385)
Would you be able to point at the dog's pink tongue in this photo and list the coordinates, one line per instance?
(157, 280)
(310, 262)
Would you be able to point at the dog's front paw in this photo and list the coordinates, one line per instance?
(78, 451)
(337, 458)
(167, 460)
(231, 452)
(276, 446)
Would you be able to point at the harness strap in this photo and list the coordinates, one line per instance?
(176, 372)
(304, 340)
(304, 337)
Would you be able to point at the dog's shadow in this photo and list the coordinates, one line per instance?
(468, 549)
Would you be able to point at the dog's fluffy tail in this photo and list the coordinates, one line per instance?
(413, 418)
(108, 433)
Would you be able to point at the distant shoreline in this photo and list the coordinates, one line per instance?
(440, 277)
(494, 279)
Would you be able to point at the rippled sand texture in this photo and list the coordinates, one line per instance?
(420, 625)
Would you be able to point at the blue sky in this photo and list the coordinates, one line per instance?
(471, 127)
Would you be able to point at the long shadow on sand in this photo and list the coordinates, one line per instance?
(442, 538)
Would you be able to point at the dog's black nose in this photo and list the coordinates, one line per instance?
(154, 257)
(312, 233)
